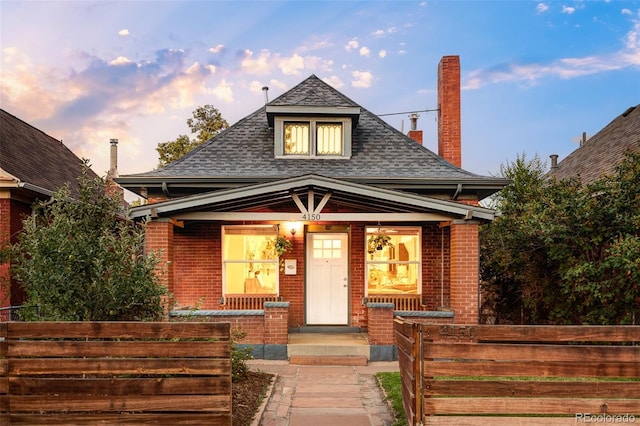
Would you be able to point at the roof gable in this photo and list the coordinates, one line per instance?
(600, 154)
(32, 157)
(251, 197)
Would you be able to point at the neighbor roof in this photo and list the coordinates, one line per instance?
(245, 151)
(600, 154)
(32, 160)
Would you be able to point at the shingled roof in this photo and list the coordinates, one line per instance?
(600, 154)
(32, 160)
(245, 151)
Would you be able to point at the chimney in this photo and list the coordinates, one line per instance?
(554, 161)
(414, 134)
(113, 164)
(265, 89)
(449, 130)
(584, 138)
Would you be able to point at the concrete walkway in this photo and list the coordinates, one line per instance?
(306, 395)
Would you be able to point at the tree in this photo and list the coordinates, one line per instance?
(562, 252)
(205, 123)
(78, 260)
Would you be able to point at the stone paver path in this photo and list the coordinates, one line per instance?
(318, 395)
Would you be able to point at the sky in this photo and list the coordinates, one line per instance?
(535, 75)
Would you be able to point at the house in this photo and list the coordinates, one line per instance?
(600, 154)
(321, 172)
(33, 165)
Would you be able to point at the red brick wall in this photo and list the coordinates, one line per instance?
(449, 128)
(380, 325)
(196, 260)
(276, 329)
(464, 272)
(5, 232)
(357, 253)
(435, 266)
(159, 240)
(12, 213)
(197, 265)
(292, 286)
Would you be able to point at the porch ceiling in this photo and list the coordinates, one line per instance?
(309, 194)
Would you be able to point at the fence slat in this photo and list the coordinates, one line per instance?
(212, 419)
(121, 386)
(122, 330)
(532, 368)
(519, 352)
(132, 349)
(526, 406)
(515, 388)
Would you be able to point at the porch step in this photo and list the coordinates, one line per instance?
(333, 348)
(328, 360)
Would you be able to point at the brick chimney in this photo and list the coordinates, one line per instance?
(449, 130)
(415, 134)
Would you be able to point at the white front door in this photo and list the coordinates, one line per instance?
(327, 297)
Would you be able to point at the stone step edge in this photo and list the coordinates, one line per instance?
(328, 360)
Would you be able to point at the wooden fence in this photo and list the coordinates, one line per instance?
(504, 375)
(164, 373)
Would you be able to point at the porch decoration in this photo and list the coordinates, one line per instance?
(279, 246)
(378, 241)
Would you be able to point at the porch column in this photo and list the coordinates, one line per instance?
(159, 240)
(465, 270)
(276, 329)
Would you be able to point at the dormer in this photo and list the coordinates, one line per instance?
(308, 132)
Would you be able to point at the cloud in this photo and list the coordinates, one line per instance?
(626, 11)
(362, 79)
(382, 54)
(123, 32)
(89, 103)
(262, 64)
(223, 91)
(542, 7)
(120, 60)
(568, 10)
(216, 49)
(292, 65)
(334, 81)
(378, 33)
(351, 45)
(364, 51)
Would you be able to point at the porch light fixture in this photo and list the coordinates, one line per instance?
(293, 227)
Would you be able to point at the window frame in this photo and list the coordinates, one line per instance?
(313, 121)
(224, 262)
(418, 262)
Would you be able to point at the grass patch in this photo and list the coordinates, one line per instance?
(392, 386)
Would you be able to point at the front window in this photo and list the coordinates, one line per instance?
(393, 260)
(250, 262)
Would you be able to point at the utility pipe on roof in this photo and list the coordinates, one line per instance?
(458, 191)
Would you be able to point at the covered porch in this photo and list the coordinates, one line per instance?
(214, 245)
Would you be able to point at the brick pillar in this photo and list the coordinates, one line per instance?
(449, 128)
(159, 240)
(276, 323)
(5, 280)
(465, 271)
(380, 323)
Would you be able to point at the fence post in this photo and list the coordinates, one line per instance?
(418, 367)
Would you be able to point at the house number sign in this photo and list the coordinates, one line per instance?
(458, 332)
(311, 216)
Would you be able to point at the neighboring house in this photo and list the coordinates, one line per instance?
(33, 165)
(318, 169)
(599, 155)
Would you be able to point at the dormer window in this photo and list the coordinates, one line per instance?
(312, 132)
(313, 137)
